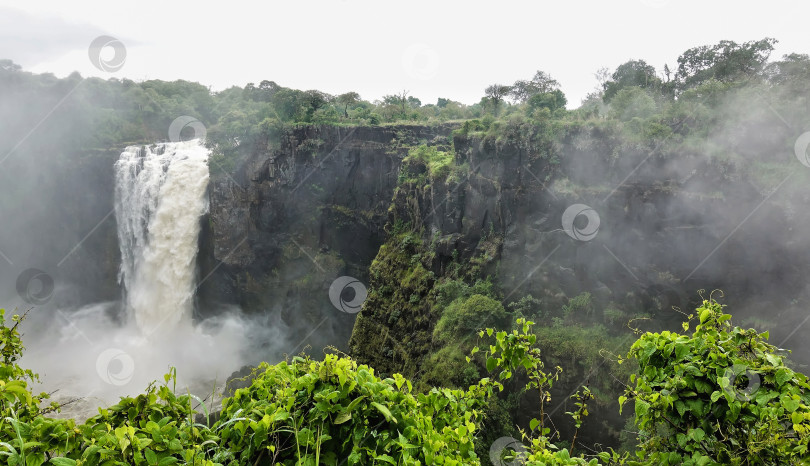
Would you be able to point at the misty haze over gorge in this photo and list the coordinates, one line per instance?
(349, 233)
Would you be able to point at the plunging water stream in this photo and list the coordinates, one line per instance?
(88, 353)
(159, 198)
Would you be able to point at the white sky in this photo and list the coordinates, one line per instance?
(451, 49)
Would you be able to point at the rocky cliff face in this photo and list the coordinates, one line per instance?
(320, 202)
(299, 213)
(647, 230)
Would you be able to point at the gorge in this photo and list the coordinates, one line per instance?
(307, 229)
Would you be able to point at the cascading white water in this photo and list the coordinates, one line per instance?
(87, 354)
(159, 198)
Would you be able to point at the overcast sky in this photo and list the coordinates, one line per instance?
(430, 48)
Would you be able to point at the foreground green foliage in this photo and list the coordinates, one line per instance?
(325, 412)
(301, 412)
(721, 395)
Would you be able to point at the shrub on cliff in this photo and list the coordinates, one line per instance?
(437, 164)
(465, 315)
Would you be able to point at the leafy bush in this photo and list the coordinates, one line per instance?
(466, 315)
(513, 351)
(551, 100)
(322, 412)
(718, 396)
(448, 368)
(632, 102)
(438, 163)
(579, 307)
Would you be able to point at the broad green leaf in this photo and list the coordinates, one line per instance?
(62, 462)
(641, 408)
(151, 457)
(789, 404)
(782, 376)
(533, 424)
(491, 364)
(697, 434)
(355, 402)
(385, 458)
(385, 412)
(681, 350)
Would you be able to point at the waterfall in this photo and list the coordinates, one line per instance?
(159, 198)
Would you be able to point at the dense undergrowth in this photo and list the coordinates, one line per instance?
(718, 395)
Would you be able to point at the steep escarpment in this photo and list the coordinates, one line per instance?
(303, 208)
(652, 223)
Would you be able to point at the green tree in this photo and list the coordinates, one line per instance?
(725, 61)
(632, 102)
(793, 69)
(542, 82)
(397, 105)
(632, 73)
(349, 98)
(551, 100)
(495, 95)
(314, 100)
